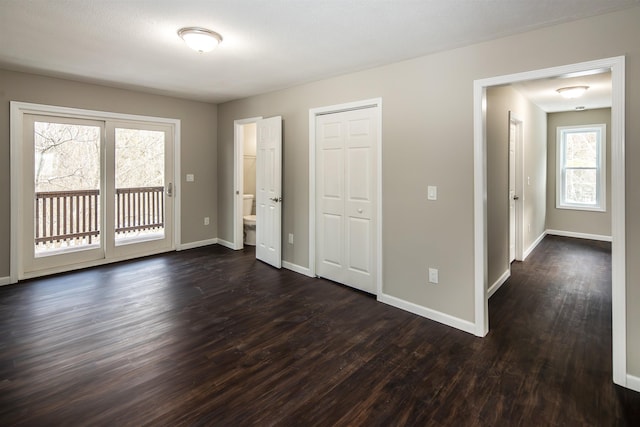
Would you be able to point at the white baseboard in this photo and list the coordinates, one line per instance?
(298, 269)
(430, 314)
(533, 246)
(599, 237)
(5, 281)
(633, 382)
(192, 245)
(493, 288)
(226, 244)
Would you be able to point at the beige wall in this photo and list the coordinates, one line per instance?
(198, 142)
(574, 220)
(428, 140)
(500, 101)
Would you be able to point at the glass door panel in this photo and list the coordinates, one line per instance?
(139, 185)
(139, 215)
(67, 187)
(62, 167)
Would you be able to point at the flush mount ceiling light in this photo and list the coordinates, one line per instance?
(200, 39)
(572, 91)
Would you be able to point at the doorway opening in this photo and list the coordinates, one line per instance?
(245, 218)
(245, 155)
(515, 187)
(616, 67)
(258, 187)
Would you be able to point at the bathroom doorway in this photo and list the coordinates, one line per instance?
(245, 170)
(258, 187)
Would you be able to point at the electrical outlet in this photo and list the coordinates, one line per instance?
(206, 220)
(190, 177)
(433, 275)
(291, 238)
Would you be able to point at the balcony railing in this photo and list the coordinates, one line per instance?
(74, 216)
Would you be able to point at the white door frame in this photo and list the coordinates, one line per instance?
(238, 180)
(18, 110)
(618, 252)
(313, 113)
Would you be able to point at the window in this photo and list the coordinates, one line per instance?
(580, 174)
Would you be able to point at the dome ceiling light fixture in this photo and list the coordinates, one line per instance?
(200, 39)
(572, 92)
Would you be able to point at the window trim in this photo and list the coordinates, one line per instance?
(601, 170)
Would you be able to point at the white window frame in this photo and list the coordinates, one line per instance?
(601, 187)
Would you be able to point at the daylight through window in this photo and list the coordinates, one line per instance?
(581, 167)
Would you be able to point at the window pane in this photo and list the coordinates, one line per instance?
(139, 176)
(67, 187)
(580, 186)
(67, 157)
(139, 158)
(581, 149)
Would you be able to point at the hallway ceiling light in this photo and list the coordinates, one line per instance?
(572, 91)
(200, 39)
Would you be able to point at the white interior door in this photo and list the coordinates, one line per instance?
(346, 158)
(512, 191)
(269, 191)
(516, 187)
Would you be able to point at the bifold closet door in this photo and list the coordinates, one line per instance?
(346, 193)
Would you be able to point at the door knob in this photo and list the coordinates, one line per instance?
(516, 198)
(359, 210)
(276, 199)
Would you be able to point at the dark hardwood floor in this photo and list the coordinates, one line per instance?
(212, 337)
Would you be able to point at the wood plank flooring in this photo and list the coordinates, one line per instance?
(210, 336)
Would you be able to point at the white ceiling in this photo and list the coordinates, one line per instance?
(544, 93)
(268, 44)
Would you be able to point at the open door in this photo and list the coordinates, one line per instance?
(516, 190)
(269, 191)
(513, 197)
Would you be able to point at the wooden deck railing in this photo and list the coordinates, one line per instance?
(139, 208)
(74, 215)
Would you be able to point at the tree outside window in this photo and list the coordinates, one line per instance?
(581, 167)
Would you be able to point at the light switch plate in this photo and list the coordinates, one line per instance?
(432, 192)
(190, 177)
(433, 275)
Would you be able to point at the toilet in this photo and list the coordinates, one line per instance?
(248, 220)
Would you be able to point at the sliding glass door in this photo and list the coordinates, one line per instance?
(94, 190)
